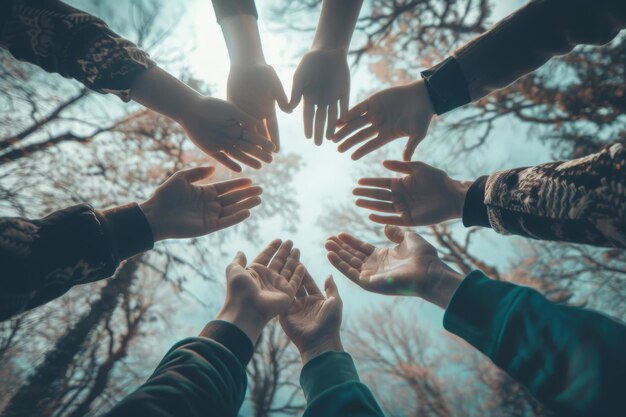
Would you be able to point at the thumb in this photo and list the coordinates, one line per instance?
(394, 234)
(281, 97)
(239, 261)
(195, 174)
(330, 287)
(296, 93)
(411, 145)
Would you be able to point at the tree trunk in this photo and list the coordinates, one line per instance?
(38, 395)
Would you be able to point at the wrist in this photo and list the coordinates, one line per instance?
(243, 40)
(329, 47)
(246, 319)
(323, 346)
(150, 212)
(443, 282)
(458, 190)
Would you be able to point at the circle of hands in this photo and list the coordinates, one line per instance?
(244, 130)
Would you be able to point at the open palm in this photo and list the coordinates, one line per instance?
(405, 269)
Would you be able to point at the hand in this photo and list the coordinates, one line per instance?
(412, 267)
(254, 89)
(226, 133)
(425, 196)
(386, 116)
(323, 78)
(266, 288)
(312, 322)
(179, 208)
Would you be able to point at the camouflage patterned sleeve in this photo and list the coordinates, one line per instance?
(580, 201)
(75, 44)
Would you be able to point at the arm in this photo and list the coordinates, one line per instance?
(329, 378)
(582, 363)
(323, 76)
(569, 358)
(579, 201)
(42, 259)
(68, 41)
(206, 376)
(253, 85)
(519, 44)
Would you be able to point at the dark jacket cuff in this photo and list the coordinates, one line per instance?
(479, 310)
(127, 229)
(474, 208)
(232, 338)
(446, 86)
(225, 8)
(326, 371)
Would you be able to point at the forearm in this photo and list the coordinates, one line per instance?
(519, 44)
(74, 44)
(162, 92)
(332, 387)
(576, 201)
(569, 358)
(198, 377)
(42, 259)
(336, 24)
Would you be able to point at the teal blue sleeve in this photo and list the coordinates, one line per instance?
(332, 387)
(571, 359)
(198, 377)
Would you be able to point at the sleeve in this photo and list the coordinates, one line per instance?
(68, 41)
(332, 387)
(198, 377)
(569, 358)
(42, 259)
(226, 8)
(519, 44)
(580, 201)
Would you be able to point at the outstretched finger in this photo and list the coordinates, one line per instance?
(357, 138)
(356, 243)
(349, 128)
(272, 127)
(332, 120)
(369, 147)
(224, 222)
(310, 285)
(239, 195)
(255, 151)
(224, 187)
(411, 145)
(246, 204)
(344, 268)
(293, 260)
(295, 280)
(393, 220)
(402, 167)
(376, 193)
(280, 95)
(257, 139)
(226, 161)
(266, 255)
(353, 251)
(376, 205)
(346, 256)
(308, 111)
(344, 104)
(296, 91)
(376, 182)
(195, 174)
(320, 120)
(356, 111)
(281, 256)
(244, 158)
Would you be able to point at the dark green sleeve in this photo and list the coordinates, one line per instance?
(198, 377)
(332, 387)
(571, 359)
(225, 8)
